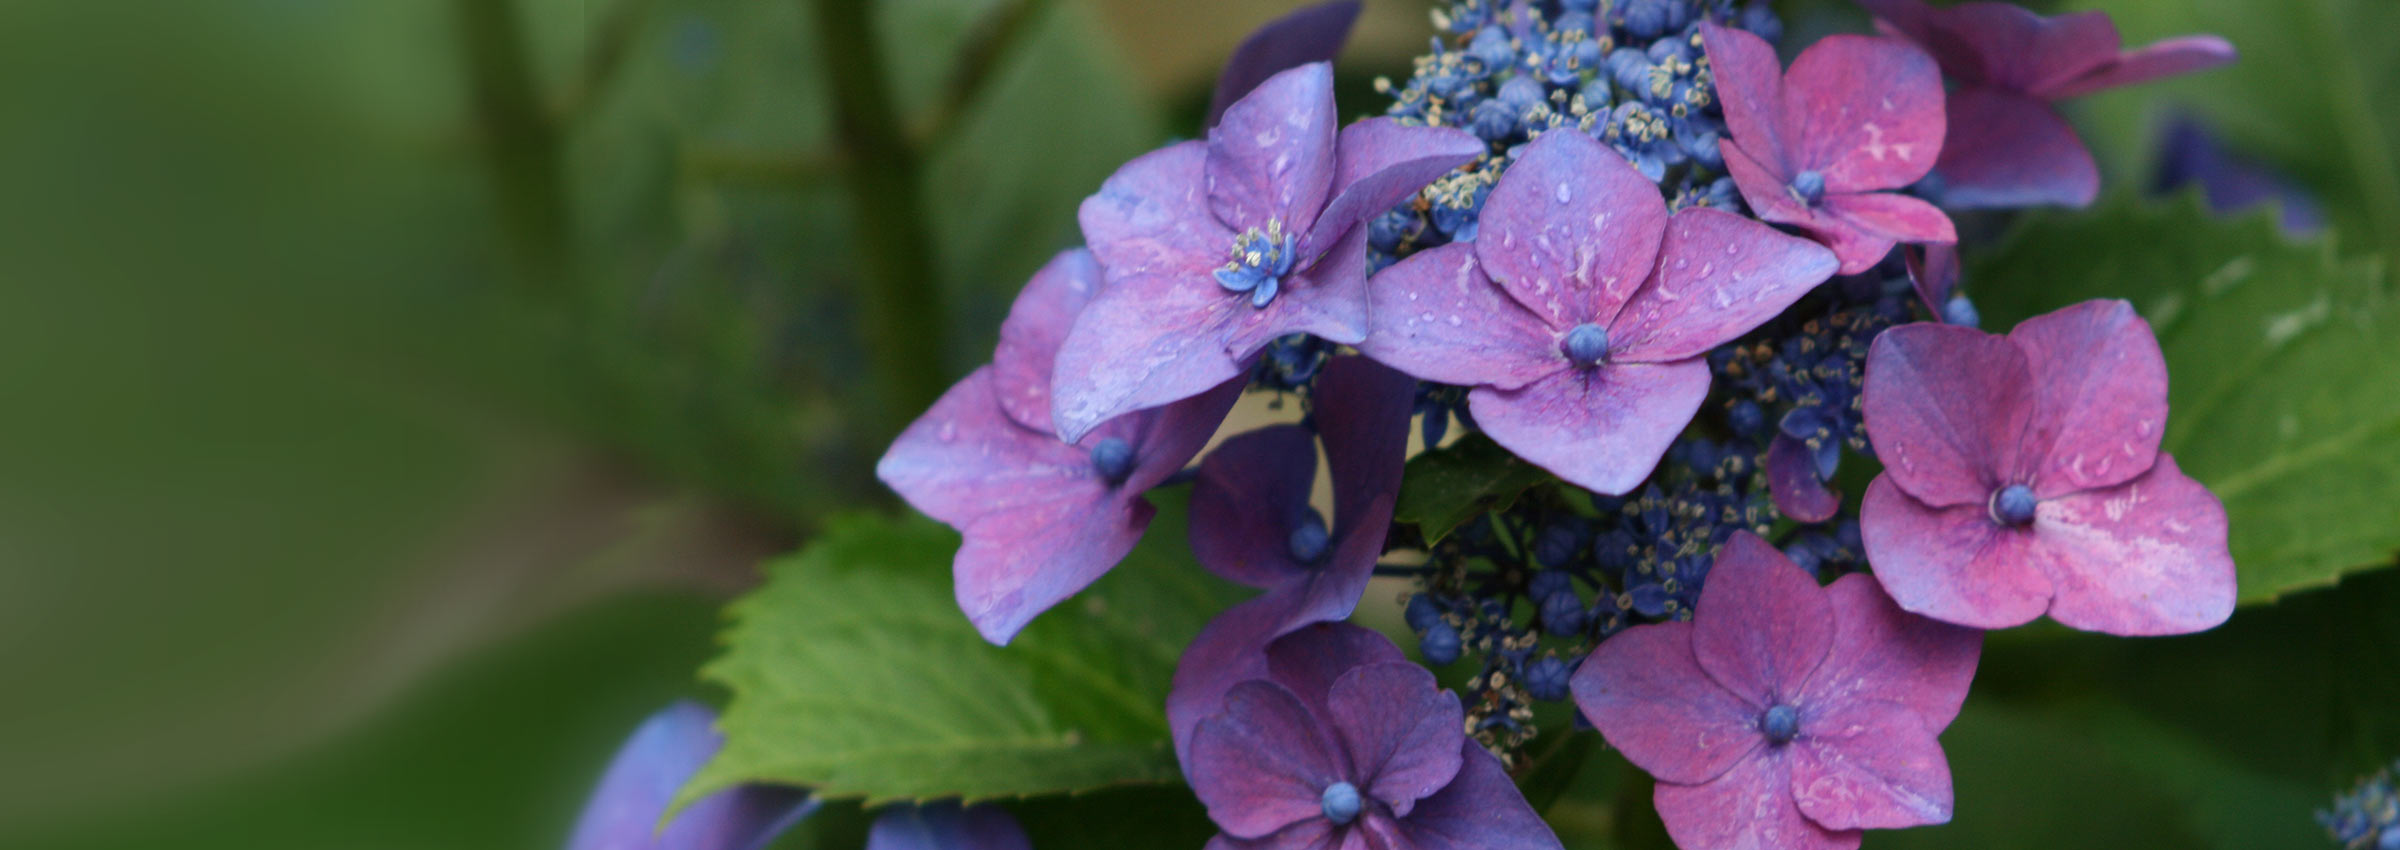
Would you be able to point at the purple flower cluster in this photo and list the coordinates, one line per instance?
(1580, 224)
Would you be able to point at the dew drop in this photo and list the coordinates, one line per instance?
(1565, 194)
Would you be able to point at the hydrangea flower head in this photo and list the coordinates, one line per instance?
(1252, 523)
(2007, 146)
(624, 813)
(1784, 715)
(1343, 743)
(1819, 148)
(2023, 475)
(1213, 249)
(1582, 311)
(1042, 518)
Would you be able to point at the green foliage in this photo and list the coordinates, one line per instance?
(1448, 486)
(2317, 91)
(854, 674)
(2280, 357)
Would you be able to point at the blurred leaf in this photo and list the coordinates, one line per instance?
(1002, 188)
(853, 673)
(2317, 90)
(2281, 358)
(2224, 739)
(1446, 487)
(1149, 816)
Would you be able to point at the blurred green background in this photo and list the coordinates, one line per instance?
(395, 389)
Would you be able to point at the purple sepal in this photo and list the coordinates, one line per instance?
(1307, 34)
(624, 812)
(1793, 483)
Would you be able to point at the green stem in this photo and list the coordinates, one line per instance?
(992, 39)
(897, 295)
(520, 143)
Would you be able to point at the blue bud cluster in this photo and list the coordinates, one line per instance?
(1630, 73)
(2368, 816)
(1802, 376)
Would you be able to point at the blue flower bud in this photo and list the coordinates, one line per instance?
(1649, 599)
(1585, 345)
(1439, 643)
(1309, 539)
(1112, 457)
(1648, 19)
(1746, 418)
(1809, 187)
(1562, 613)
(1341, 803)
(1522, 93)
(1629, 69)
(1781, 723)
(1761, 21)
(2013, 505)
(1547, 678)
(1961, 311)
(1492, 48)
(1494, 121)
(1421, 613)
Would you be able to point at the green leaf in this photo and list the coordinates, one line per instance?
(854, 674)
(2280, 357)
(1447, 486)
(2317, 91)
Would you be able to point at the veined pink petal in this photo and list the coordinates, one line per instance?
(1602, 429)
(1230, 650)
(2147, 557)
(2100, 397)
(1933, 271)
(1156, 331)
(2013, 150)
(1718, 276)
(1151, 216)
(1439, 318)
(1944, 406)
(1479, 810)
(1571, 230)
(1308, 660)
(1749, 808)
(1308, 34)
(2167, 58)
(1869, 764)
(1953, 564)
(1768, 193)
(1036, 326)
(1363, 409)
(1250, 494)
(1883, 652)
(1400, 729)
(1750, 82)
(1022, 558)
(1327, 300)
(1762, 625)
(1271, 156)
(1310, 834)
(1166, 438)
(1792, 482)
(1869, 112)
(1645, 691)
(2017, 50)
(1888, 217)
(1260, 765)
(1381, 163)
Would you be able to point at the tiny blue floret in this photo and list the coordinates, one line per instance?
(1781, 723)
(2013, 505)
(1341, 803)
(1112, 457)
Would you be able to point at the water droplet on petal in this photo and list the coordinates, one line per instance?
(1565, 194)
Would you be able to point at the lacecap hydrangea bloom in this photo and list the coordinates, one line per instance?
(2022, 475)
(1822, 146)
(1344, 743)
(1043, 518)
(1784, 714)
(1213, 249)
(1581, 311)
(2008, 146)
(1622, 243)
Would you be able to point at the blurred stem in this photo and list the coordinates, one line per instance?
(603, 55)
(2364, 138)
(897, 295)
(519, 142)
(994, 34)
